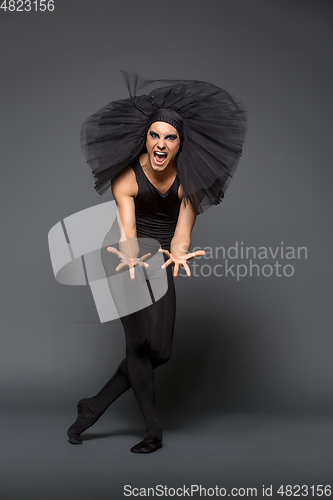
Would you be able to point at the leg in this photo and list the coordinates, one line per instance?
(148, 345)
(91, 409)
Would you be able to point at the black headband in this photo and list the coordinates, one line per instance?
(168, 116)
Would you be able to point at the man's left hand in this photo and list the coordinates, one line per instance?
(178, 260)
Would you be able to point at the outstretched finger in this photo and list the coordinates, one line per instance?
(142, 264)
(194, 254)
(113, 250)
(144, 257)
(187, 269)
(175, 271)
(132, 272)
(120, 266)
(166, 252)
(166, 264)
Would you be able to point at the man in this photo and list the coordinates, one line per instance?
(148, 332)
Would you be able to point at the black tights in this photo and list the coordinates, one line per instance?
(148, 335)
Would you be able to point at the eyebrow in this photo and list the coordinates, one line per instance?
(168, 135)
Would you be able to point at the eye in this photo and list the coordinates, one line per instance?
(153, 135)
(171, 137)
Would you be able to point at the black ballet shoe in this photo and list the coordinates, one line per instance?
(149, 444)
(85, 419)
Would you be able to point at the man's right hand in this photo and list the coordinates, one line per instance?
(131, 262)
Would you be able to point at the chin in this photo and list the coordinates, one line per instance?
(158, 167)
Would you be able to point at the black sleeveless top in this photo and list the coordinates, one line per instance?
(156, 213)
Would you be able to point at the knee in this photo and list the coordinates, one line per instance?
(137, 349)
(122, 368)
(159, 357)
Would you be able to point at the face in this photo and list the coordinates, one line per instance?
(162, 145)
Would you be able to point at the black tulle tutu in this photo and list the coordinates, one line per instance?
(214, 130)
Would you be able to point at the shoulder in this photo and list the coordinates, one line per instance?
(125, 184)
(180, 192)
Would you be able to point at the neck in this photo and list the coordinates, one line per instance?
(158, 175)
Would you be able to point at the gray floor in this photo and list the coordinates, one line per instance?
(231, 450)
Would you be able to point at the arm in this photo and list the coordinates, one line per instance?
(181, 240)
(124, 190)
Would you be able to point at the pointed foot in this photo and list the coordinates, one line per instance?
(148, 445)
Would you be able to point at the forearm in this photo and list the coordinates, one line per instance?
(181, 241)
(180, 244)
(130, 247)
(128, 243)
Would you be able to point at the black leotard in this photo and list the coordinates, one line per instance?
(156, 213)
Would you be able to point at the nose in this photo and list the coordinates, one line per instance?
(161, 143)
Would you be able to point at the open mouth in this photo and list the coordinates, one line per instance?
(160, 158)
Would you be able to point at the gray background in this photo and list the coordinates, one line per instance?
(247, 397)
